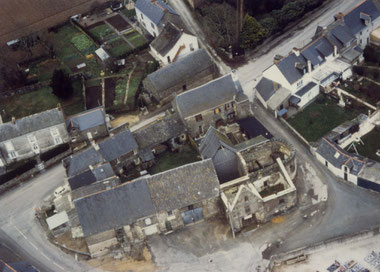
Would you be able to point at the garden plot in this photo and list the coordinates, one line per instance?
(101, 32)
(136, 39)
(83, 44)
(118, 47)
(43, 70)
(94, 93)
(119, 23)
(363, 89)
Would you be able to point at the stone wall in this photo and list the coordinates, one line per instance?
(99, 244)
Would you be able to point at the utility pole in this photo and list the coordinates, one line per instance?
(239, 21)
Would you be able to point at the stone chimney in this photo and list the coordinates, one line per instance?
(308, 66)
(14, 120)
(335, 50)
(339, 16)
(296, 51)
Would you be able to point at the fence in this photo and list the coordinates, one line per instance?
(295, 132)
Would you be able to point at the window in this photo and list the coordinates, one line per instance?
(299, 83)
(198, 118)
(245, 198)
(217, 111)
(148, 221)
(169, 59)
(152, 25)
(143, 24)
(227, 106)
(57, 140)
(247, 209)
(184, 87)
(12, 154)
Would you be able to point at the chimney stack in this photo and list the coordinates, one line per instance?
(296, 51)
(59, 106)
(335, 50)
(309, 66)
(339, 16)
(14, 120)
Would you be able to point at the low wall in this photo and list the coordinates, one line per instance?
(32, 172)
(295, 132)
(25, 89)
(277, 260)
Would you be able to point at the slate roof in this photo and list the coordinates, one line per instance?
(154, 10)
(226, 165)
(177, 72)
(253, 128)
(81, 161)
(250, 143)
(353, 19)
(183, 186)
(19, 267)
(31, 123)
(288, 69)
(167, 39)
(159, 132)
(87, 119)
(95, 187)
(114, 208)
(266, 88)
(342, 34)
(118, 145)
(207, 96)
(339, 157)
(91, 175)
(146, 154)
(306, 89)
(212, 142)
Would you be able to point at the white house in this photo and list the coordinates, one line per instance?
(173, 43)
(154, 14)
(330, 55)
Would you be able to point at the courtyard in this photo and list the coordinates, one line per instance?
(370, 147)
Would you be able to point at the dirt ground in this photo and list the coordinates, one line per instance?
(76, 244)
(342, 252)
(122, 119)
(125, 265)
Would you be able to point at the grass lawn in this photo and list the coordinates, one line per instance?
(119, 92)
(136, 39)
(129, 12)
(132, 90)
(319, 118)
(371, 145)
(119, 48)
(26, 104)
(102, 32)
(61, 41)
(169, 160)
(83, 44)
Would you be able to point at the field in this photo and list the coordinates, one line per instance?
(319, 118)
(41, 100)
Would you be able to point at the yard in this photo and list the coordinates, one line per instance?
(119, 47)
(136, 39)
(41, 100)
(319, 118)
(371, 145)
(101, 32)
(364, 89)
(129, 12)
(170, 160)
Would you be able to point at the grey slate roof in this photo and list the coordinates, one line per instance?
(226, 165)
(250, 143)
(90, 176)
(18, 267)
(306, 89)
(177, 72)
(353, 19)
(183, 186)
(207, 96)
(154, 10)
(288, 69)
(343, 34)
(114, 208)
(212, 142)
(118, 145)
(146, 154)
(339, 157)
(95, 187)
(81, 161)
(266, 88)
(159, 132)
(167, 39)
(31, 123)
(87, 119)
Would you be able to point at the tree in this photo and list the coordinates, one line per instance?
(252, 34)
(61, 84)
(370, 54)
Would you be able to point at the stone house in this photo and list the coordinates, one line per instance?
(191, 71)
(149, 205)
(154, 15)
(317, 65)
(31, 136)
(173, 43)
(87, 126)
(215, 103)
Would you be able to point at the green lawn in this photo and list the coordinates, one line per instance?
(119, 48)
(132, 90)
(26, 104)
(319, 118)
(119, 92)
(371, 145)
(170, 160)
(129, 12)
(83, 44)
(136, 39)
(102, 32)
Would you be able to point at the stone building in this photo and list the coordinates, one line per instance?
(87, 126)
(214, 104)
(188, 72)
(160, 203)
(31, 136)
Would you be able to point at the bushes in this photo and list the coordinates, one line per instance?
(252, 34)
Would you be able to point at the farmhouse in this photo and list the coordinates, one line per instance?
(31, 136)
(215, 103)
(189, 72)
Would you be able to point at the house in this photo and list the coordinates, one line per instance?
(154, 14)
(173, 43)
(31, 136)
(16, 266)
(88, 125)
(191, 71)
(148, 205)
(327, 58)
(213, 104)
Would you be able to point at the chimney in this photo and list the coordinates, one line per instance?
(309, 66)
(59, 106)
(14, 120)
(182, 30)
(335, 50)
(296, 51)
(339, 16)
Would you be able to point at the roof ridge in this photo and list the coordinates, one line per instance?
(356, 7)
(341, 152)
